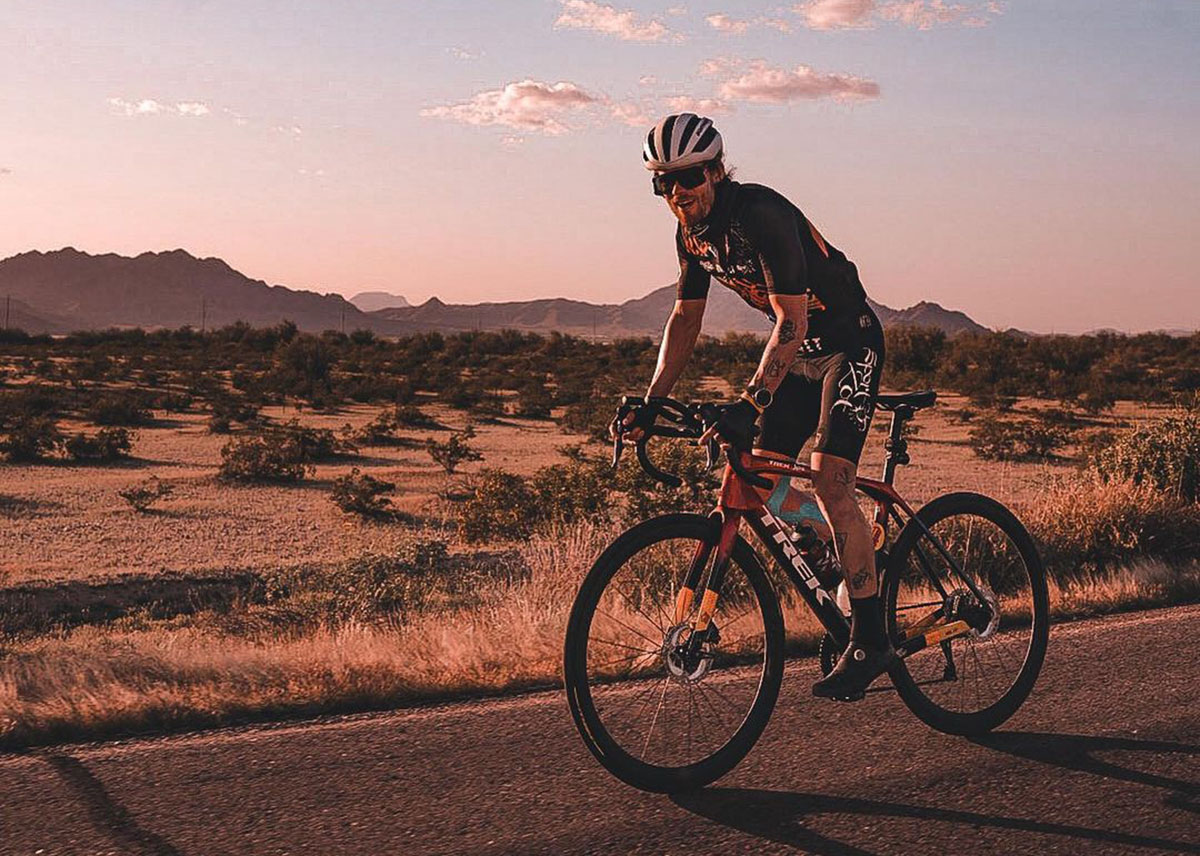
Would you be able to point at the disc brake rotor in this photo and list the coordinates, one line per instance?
(674, 647)
(983, 618)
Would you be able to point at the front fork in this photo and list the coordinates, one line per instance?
(728, 521)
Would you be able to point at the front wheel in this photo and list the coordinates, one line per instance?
(657, 720)
(965, 557)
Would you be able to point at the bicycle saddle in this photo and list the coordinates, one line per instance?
(915, 400)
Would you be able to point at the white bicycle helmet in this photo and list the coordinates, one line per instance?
(681, 140)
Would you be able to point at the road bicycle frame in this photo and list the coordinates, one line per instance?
(741, 499)
(738, 500)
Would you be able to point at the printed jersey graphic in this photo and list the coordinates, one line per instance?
(854, 389)
(754, 242)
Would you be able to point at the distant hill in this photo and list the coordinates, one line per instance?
(373, 301)
(725, 312)
(77, 291)
(71, 290)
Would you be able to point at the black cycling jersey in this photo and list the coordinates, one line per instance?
(758, 243)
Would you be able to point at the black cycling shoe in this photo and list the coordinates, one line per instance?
(855, 670)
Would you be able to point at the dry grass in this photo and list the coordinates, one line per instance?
(1112, 547)
(98, 681)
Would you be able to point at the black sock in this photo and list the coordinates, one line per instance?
(866, 622)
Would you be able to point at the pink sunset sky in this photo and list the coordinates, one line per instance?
(1033, 164)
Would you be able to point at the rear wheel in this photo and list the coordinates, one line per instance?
(653, 718)
(996, 584)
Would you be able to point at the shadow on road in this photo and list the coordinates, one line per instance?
(782, 817)
(1077, 752)
(107, 814)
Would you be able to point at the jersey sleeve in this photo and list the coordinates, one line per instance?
(772, 225)
(693, 280)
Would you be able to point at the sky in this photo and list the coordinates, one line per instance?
(1033, 163)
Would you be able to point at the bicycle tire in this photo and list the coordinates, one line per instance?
(949, 513)
(617, 758)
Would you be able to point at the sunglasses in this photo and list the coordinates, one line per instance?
(688, 179)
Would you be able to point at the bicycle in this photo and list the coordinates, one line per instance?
(675, 645)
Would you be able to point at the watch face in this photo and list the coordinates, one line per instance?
(762, 397)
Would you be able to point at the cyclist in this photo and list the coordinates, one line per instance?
(819, 371)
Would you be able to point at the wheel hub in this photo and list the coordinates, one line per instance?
(682, 664)
(983, 618)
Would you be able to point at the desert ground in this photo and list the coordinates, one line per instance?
(66, 521)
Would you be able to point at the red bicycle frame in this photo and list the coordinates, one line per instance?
(739, 500)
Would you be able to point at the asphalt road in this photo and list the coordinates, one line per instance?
(1104, 758)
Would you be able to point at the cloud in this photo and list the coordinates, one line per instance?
(835, 14)
(5, 170)
(719, 65)
(150, 107)
(624, 24)
(726, 24)
(464, 53)
(647, 80)
(926, 14)
(630, 113)
(762, 83)
(699, 106)
(921, 14)
(526, 105)
(677, 10)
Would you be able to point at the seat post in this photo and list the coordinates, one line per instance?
(896, 446)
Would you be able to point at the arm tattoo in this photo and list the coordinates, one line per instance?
(774, 369)
(860, 579)
(840, 541)
(787, 331)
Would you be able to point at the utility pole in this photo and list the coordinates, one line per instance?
(7, 306)
(343, 320)
(203, 313)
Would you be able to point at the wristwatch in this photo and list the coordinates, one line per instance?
(760, 397)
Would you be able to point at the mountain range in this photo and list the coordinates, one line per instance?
(65, 290)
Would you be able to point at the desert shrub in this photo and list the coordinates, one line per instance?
(576, 490)
(589, 417)
(381, 431)
(272, 458)
(534, 400)
(141, 496)
(489, 406)
(227, 409)
(363, 494)
(172, 402)
(411, 416)
(33, 438)
(455, 450)
(988, 398)
(503, 506)
(314, 444)
(1164, 454)
(461, 396)
(115, 408)
(1088, 526)
(373, 586)
(997, 439)
(107, 444)
(646, 497)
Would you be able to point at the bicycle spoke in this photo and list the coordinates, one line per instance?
(616, 620)
(626, 647)
(654, 719)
